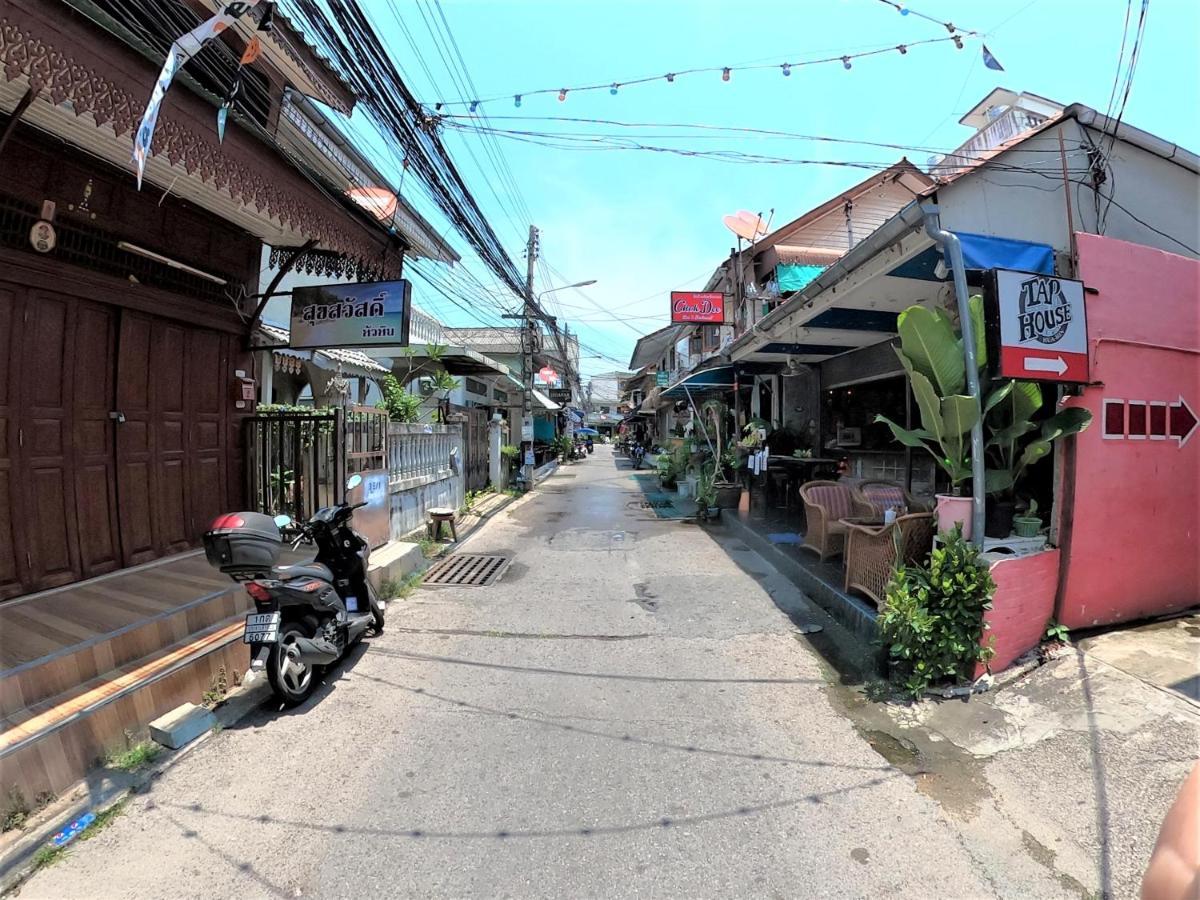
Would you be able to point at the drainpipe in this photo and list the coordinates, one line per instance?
(953, 250)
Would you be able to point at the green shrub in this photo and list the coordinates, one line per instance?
(932, 620)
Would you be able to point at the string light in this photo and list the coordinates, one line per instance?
(726, 72)
(904, 10)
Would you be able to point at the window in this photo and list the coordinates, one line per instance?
(501, 396)
(712, 337)
(475, 386)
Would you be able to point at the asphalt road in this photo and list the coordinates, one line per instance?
(626, 713)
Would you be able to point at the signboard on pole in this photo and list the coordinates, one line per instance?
(527, 428)
(367, 314)
(1040, 330)
(561, 396)
(662, 379)
(698, 306)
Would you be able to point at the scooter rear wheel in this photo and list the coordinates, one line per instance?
(291, 680)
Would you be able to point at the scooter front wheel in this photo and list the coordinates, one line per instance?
(291, 680)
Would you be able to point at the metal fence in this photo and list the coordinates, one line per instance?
(366, 439)
(295, 462)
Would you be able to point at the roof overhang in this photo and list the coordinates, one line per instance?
(455, 360)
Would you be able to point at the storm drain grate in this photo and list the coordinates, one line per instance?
(469, 571)
(657, 504)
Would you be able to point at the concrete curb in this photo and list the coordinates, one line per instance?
(17, 863)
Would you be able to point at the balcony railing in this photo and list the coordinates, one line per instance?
(1004, 127)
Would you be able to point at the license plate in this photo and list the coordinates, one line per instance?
(261, 628)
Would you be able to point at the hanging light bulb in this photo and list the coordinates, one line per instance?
(845, 62)
(562, 95)
(787, 69)
(516, 100)
(958, 42)
(437, 107)
(474, 105)
(950, 27)
(903, 50)
(725, 74)
(903, 10)
(671, 77)
(613, 90)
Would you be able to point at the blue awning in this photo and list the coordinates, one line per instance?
(981, 251)
(708, 381)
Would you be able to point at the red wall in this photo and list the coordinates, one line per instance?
(1023, 605)
(1132, 540)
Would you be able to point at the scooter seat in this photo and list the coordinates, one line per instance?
(303, 570)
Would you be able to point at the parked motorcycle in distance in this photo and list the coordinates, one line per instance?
(308, 615)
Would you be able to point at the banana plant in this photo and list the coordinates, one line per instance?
(932, 355)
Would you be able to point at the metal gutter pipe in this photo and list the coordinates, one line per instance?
(953, 249)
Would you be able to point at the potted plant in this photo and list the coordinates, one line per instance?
(1008, 422)
(1030, 524)
(727, 490)
(932, 356)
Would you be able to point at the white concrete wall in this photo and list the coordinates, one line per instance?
(1021, 194)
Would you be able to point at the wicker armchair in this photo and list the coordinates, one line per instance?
(826, 503)
(872, 499)
(871, 551)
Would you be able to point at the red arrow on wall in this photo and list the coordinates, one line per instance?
(1183, 421)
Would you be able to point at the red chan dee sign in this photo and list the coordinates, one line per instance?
(697, 306)
(1043, 327)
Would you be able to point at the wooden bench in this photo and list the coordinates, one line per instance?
(438, 515)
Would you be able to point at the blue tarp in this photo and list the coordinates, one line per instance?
(795, 277)
(981, 251)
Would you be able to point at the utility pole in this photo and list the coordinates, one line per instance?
(527, 369)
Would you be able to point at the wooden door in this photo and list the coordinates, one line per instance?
(13, 572)
(136, 483)
(95, 462)
(168, 349)
(47, 470)
(208, 392)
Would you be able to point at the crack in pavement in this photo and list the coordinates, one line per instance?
(533, 635)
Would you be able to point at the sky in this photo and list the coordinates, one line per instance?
(643, 223)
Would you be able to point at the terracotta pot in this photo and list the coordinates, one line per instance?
(951, 510)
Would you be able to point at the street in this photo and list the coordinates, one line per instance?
(626, 713)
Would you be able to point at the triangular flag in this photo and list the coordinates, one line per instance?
(252, 52)
(990, 61)
(222, 116)
(268, 16)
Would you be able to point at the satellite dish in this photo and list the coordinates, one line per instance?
(754, 221)
(740, 227)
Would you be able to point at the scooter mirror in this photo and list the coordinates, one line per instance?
(353, 482)
(283, 521)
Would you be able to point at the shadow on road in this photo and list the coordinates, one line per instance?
(617, 676)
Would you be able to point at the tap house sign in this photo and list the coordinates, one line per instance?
(368, 314)
(697, 306)
(1042, 326)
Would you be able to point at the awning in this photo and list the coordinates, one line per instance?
(545, 401)
(717, 380)
(981, 251)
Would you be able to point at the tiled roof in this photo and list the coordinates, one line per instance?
(356, 358)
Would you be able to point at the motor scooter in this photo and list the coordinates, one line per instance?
(637, 453)
(307, 615)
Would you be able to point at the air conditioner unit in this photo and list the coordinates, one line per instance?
(425, 385)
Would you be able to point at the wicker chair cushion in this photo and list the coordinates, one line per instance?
(883, 497)
(834, 499)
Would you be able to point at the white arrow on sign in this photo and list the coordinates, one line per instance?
(1058, 365)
